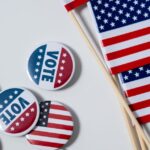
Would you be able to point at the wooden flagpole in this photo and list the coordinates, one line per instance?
(121, 99)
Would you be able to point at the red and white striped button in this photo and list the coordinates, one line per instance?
(54, 128)
(51, 66)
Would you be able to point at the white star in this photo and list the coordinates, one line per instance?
(45, 110)
(124, 21)
(142, 5)
(15, 92)
(36, 70)
(63, 61)
(38, 63)
(138, 11)
(41, 51)
(32, 109)
(109, 14)
(44, 116)
(60, 74)
(136, 74)
(135, 2)
(112, 24)
(39, 57)
(61, 68)
(47, 104)
(145, 15)
(117, 2)
(116, 18)
(99, 2)
(141, 68)
(1, 106)
(64, 55)
(6, 101)
(95, 8)
(42, 106)
(17, 123)
(126, 77)
(43, 123)
(102, 27)
(10, 97)
(102, 11)
(130, 71)
(98, 17)
(106, 5)
(27, 114)
(22, 119)
(127, 15)
(149, 8)
(113, 8)
(35, 76)
(59, 81)
(105, 21)
(124, 5)
(12, 128)
(134, 18)
(120, 11)
(148, 71)
(131, 8)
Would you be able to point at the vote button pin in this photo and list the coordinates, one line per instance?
(51, 66)
(19, 111)
(54, 128)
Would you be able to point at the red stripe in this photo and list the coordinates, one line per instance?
(48, 144)
(140, 105)
(126, 36)
(128, 51)
(62, 117)
(131, 65)
(144, 119)
(74, 4)
(53, 106)
(48, 134)
(138, 90)
(60, 126)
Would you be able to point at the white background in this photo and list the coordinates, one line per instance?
(27, 23)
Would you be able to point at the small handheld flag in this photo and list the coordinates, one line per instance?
(72, 4)
(124, 31)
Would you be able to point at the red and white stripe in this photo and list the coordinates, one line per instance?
(127, 47)
(58, 131)
(138, 93)
(72, 4)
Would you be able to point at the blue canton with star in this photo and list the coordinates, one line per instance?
(112, 14)
(135, 74)
(36, 62)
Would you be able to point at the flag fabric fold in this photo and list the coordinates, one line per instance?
(136, 85)
(123, 28)
(72, 4)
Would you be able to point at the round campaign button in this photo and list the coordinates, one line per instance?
(51, 66)
(19, 111)
(54, 128)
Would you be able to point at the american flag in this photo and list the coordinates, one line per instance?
(136, 84)
(54, 128)
(72, 4)
(124, 32)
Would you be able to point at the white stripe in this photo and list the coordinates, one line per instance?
(127, 44)
(57, 103)
(59, 112)
(46, 139)
(139, 98)
(52, 130)
(126, 29)
(142, 112)
(58, 121)
(129, 58)
(135, 84)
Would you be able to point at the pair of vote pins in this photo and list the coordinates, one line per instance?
(48, 124)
